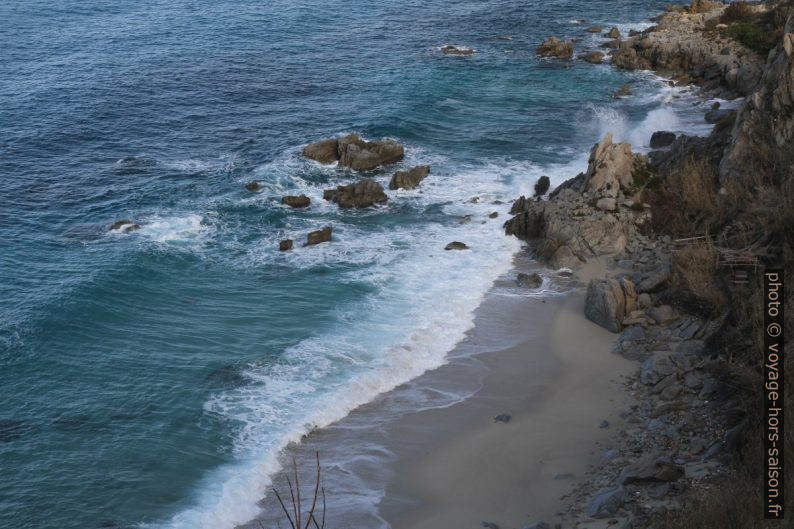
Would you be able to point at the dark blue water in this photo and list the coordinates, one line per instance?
(152, 377)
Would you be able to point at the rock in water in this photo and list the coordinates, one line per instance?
(324, 151)
(409, 179)
(456, 245)
(542, 186)
(285, 245)
(594, 57)
(595, 29)
(361, 155)
(503, 417)
(316, 237)
(662, 138)
(529, 280)
(554, 47)
(362, 194)
(613, 33)
(253, 186)
(124, 226)
(301, 201)
(623, 91)
(456, 50)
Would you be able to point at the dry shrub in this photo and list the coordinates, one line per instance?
(696, 279)
(737, 12)
(686, 203)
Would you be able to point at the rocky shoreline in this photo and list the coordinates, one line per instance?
(688, 421)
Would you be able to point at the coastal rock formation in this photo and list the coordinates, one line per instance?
(301, 201)
(409, 179)
(362, 194)
(594, 29)
(316, 237)
(765, 123)
(355, 153)
(613, 33)
(285, 245)
(456, 50)
(609, 301)
(253, 186)
(611, 168)
(680, 46)
(554, 47)
(124, 226)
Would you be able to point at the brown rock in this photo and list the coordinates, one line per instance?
(456, 50)
(554, 47)
(301, 201)
(613, 33)
(253, 186)
(362, 194)
(316, 237)
(324, 151)
(361, 155)
(594, 57)
(456, 245)
(409, 179)
(285, 245)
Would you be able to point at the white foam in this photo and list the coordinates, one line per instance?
(173, 229)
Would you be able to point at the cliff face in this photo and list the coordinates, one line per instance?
(762, 139)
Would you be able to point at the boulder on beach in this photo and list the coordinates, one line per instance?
(124, 226)
(316, 237)
(253, 186)
(409, 179)
(662, 138)
(301, 201)
(355, 153)
(456, 245)
(285, 245)
(362, 194)
(456, 50)
(593, 57)
(613, 33)
(609, 301)
(554, 47)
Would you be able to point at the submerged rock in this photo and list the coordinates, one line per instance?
(253, 186)
(623, 91)
(456, 245)
(124, 226)
(529, 280)
(301, 201)
(362, 194)
(316, 237)
(456, 50)
(554, 47)
(409, 179)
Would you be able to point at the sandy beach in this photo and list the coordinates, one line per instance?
(558, 387)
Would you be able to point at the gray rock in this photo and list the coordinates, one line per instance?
(644, 301)
(658, 470)
(607, 204)
(324, 151)
(713, 451)
(613, 33)
(662, 314)
(503, 417)
(593, 57)
(538, 525)
(529, 280)
(490, 525)
(125, 226)
(361, 155)
(714, 116)
(607, 302)
(456, 50)
(655, 280)
(606, 503)
(542, 186)
(604, 424)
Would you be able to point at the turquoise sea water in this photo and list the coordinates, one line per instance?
(152, 377)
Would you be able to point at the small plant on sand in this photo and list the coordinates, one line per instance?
(294, 512)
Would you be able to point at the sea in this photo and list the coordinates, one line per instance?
(153, 379)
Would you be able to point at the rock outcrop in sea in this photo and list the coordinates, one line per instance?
(362, 194)
(354, 153)
(554, 47)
